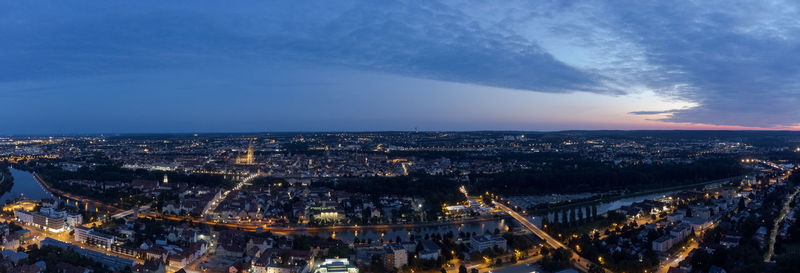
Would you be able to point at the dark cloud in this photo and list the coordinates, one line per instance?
(739, 63)
(420, 39)
(647, 113)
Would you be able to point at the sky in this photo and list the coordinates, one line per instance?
(247, 66)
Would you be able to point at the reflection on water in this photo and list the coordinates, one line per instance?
(604, 207)
(26, 185)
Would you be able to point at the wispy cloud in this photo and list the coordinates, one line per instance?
(737, 62)
(649, 113)
(426, 40)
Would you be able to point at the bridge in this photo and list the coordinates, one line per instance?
(129, 212)
(577, 261)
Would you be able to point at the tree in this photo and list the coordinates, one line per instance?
(33, 247)
(377, 264)
(499, 262)
(595, 269)
(572, 216)
(443, 271)
(555, 259)
(462, 269)
(587, 212)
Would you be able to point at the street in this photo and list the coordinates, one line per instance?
(577, 261)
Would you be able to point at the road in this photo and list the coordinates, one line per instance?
(785, 210)
(37, 235)
(250, 226)
(215, 202)
(680, 256)
(283, 230)
(577, 261)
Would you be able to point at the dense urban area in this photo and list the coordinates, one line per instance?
(504, 202)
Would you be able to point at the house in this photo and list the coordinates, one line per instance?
(261, 243)
(171, 207)
(197, 249)
(63, 267)
(28, 268)
(14, 256)
(675, 270)
(716, 269)
(664, 243)
(156, 253)
(283, 261)
(698, 224)
(231, 244)
(181, 259)
(481, 243)
(396, 257)
(430, 251)
(336, 266)
(145, 185)
(730, 240)
(681, 231)
(675, 217)
(150, 266)
(11, 241)
(760, 235)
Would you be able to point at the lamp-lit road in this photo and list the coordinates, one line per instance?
(215, 202)
(577, 261)
(283, 230)
(675, 262)
(784, 211)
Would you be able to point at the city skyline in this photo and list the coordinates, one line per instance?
(149, 67)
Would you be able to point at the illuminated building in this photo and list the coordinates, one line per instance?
(248, 158)
(336, 266)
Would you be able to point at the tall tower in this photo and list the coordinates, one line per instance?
(250, 153)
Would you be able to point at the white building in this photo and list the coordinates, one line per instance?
(396, 257)
(336, 266)
(480, 243)
(91, 237)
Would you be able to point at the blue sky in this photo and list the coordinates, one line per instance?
(202, 66)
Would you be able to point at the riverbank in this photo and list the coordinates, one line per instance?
(607, 199)
(6, 181)
(24, 185)
(76, 199)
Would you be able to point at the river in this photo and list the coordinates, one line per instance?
(603, 207)
(26, 185)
